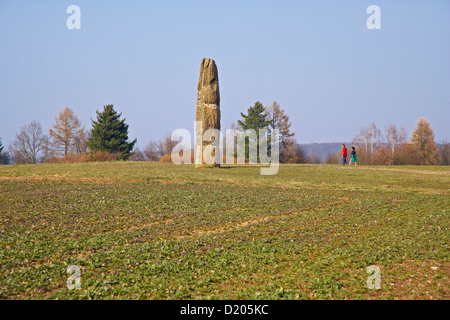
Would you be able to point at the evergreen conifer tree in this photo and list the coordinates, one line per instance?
(256, 118)
(110, 134)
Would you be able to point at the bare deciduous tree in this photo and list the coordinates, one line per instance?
(280, 120)
(394, 139)
(30, 144)
(80, 142)
(334, 158)
(137, 155)
(67, 134)
(154, 150)
(444, 153)
(297, 154)
(368, 142)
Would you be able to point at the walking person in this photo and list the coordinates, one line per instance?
(353, 157)
(344, 155)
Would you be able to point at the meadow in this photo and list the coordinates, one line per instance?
(146, 230)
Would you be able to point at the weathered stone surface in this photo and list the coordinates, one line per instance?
(208, 105)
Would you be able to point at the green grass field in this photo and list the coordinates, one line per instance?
(161, 231)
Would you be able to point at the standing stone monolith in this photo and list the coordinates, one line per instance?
(208, 113)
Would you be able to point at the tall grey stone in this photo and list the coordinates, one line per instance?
(208, 106)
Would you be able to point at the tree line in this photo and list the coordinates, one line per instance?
(373, 147)
(395, 147)
(257, 117)
(68, 141)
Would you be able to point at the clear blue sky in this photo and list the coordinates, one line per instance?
(316, 58)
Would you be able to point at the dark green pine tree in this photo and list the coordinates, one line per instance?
(3, 156)
(256, 119)
(110, 134)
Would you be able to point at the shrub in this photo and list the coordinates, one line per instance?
(166, 158)
(382, 156)
(106, 156)
(99, 156)
(334, 158)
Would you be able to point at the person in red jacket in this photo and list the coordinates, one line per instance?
(344, 155)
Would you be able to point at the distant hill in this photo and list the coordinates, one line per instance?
(322, 150)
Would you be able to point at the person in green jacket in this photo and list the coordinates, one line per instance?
(353, 157)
